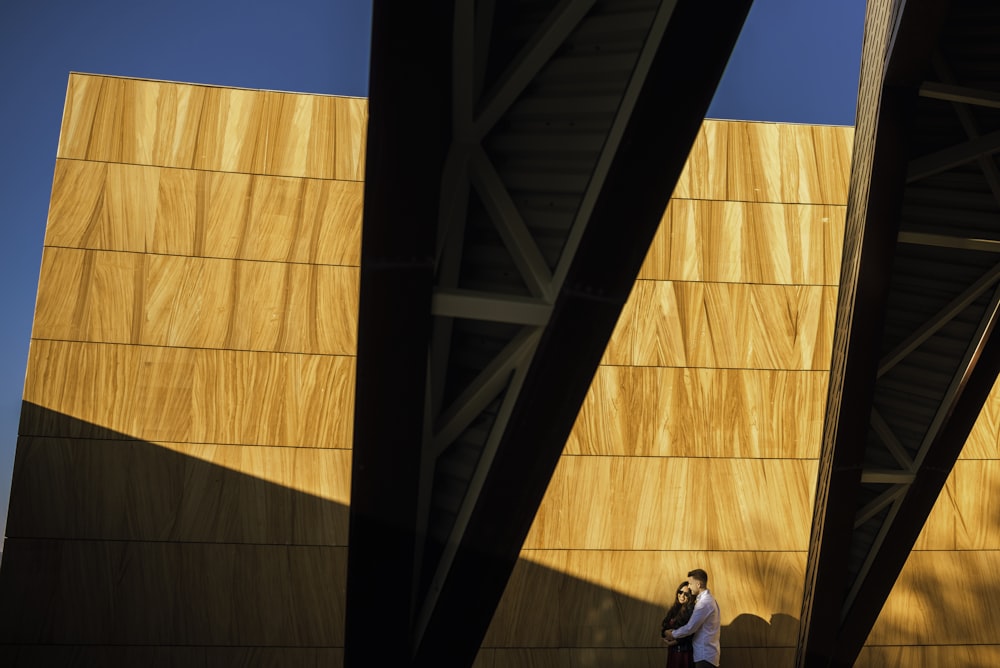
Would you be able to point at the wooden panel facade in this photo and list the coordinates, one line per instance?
(183, 467)
(176, 593)
(747, 242)
(185, 437)
(143, 122)
(697, 445)
(693, 412)
(116, 297)
(203, 492)
(724, 326)
(768, 162)
(240, 216)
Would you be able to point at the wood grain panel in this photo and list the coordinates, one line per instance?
(284, 134)
(725, 325)
(132, 593)
(704, 174)
(79, 112)
(131, 120)
(943, 597)
(815, 163)
(351, 133)
(774, 162)
(206, 127)
(299, 220)
(643, 503)
(134, 490)
(625, 657)
(187, 212)
(768, 162)
(760, 657)
(747, 242)
(666, 411)
(230, 133)
(755, 172)
(161, 656)
(183, 395)
(192, 302)
(570, 658)
(295, 136)
(102, 205)
(274, 399)
(603, 598)
(929, 656)
(964, 516)
(250, 305)
(86, 295)
(161, 210)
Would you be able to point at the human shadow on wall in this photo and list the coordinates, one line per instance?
(550, 611)
(122, 552)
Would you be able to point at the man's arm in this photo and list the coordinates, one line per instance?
(702, 610)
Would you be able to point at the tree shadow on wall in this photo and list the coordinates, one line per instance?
(122, 552)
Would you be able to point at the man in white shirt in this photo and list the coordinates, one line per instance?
(704, 624)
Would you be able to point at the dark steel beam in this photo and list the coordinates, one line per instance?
(408, 130)
(953, 156)
(960, 94)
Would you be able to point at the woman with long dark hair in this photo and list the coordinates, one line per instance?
(679, 652)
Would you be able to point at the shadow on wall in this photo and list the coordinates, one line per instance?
(567, 622)
(122, 552)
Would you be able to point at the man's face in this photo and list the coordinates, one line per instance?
(695, 585)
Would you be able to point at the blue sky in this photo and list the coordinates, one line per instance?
(796, 61)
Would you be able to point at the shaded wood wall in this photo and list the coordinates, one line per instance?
(183, 464)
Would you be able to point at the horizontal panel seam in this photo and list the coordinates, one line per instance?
(128, 541)
(201, 257)
(235, 350)
(213, 171)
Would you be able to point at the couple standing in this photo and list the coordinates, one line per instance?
(691, 627)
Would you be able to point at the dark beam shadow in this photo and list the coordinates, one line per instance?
(122, 552)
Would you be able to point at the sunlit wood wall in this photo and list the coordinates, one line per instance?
(182, 473)
(183, 465)
(697, 444)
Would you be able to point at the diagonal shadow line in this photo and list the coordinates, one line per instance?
(123, 552)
